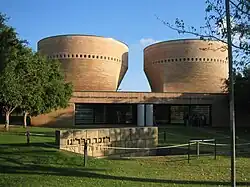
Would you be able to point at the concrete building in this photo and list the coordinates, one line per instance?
(186, 78)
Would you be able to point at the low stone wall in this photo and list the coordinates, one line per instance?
(99, 139)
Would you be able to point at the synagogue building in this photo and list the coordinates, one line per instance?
(186, 78)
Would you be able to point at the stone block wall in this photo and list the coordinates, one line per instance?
(98, 141)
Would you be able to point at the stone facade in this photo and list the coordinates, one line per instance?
(89, 62)
(99, 139)
(186, 66)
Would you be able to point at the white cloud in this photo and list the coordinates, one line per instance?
(147, 41)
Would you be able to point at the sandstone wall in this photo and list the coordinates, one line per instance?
(99, 139)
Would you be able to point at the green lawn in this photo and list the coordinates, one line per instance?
(41, 165)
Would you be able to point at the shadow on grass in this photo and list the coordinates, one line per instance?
(90, 173)
(26, 167)
(35, 144)
(33, 133)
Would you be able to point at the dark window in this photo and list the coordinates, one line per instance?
(80, 55)
(97, 56)
(162, 113)
(105, 114)
(72, 55)
(68, 55)
(100, 57)
(184, 59)
(85, 56)
(93, 56)
(188, 59)
(89, 56)
(76, 55)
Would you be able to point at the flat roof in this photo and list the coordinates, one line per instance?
(176, 40)
(65, 35)
(148, 92)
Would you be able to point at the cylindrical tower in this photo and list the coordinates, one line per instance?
(91, 63)
(190, 65)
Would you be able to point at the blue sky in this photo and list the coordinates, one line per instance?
(131, 21)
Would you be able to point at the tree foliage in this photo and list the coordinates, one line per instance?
(242, 89)
(11, 53)
(28, 81)
(214, 27)
(45, 89)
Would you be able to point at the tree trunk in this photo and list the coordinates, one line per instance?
(25, 119)
(7, 121)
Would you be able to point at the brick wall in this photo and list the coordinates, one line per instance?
(186, 66)
(65, 117)
(58, 118)
(89, 62)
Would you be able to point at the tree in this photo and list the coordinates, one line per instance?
(11, 52)
(215, 27)
(28, 81)
(45, 89)
(242, 89)
(33, 72)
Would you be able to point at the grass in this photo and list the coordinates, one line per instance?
(40, 165)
